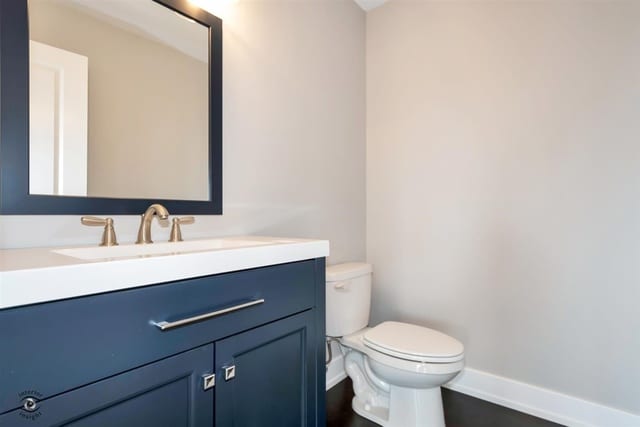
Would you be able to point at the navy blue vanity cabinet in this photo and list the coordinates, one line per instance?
(243, 348)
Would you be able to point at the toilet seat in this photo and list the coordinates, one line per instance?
(356, 342)
(413, 343)
(426, 368)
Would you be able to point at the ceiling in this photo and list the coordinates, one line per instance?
(369, 4)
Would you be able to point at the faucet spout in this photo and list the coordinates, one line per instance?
(144, 232)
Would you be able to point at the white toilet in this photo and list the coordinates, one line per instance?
(396, 368)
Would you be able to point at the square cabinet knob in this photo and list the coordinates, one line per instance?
(208, 381)
(229, 372)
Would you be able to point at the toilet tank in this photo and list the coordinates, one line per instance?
(348, 298)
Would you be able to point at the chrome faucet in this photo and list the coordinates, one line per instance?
(144, 233)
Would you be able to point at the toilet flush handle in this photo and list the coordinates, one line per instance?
(341, 285)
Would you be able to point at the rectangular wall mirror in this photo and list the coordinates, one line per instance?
(108, 106)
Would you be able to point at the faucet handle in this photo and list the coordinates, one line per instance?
(109, 233)
(176, 234)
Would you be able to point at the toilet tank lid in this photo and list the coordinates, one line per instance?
(348, 270)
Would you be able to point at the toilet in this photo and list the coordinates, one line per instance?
(396, 368)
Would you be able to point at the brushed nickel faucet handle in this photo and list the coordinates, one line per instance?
(109, 233)
(176, 234)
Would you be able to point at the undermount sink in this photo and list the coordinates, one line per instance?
(160, 249)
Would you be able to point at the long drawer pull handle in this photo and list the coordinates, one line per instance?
(164, 326)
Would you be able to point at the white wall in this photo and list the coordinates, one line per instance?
(294, 134)
(503, 185)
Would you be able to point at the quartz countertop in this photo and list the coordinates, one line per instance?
(37, 275)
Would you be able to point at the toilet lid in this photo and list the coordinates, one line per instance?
(414, 342)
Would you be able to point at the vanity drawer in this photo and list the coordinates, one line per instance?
(53, 347)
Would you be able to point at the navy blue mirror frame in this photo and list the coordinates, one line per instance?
(14, 126)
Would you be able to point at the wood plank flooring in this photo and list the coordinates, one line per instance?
(460, 410)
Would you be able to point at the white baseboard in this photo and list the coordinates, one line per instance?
(540, 402)
(335, 373)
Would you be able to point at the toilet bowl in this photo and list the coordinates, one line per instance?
(396, 368)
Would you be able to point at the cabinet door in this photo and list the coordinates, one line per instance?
(266, 376)
(167, 393)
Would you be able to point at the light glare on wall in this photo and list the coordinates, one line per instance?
(219, 8)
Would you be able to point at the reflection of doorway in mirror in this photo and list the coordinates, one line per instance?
(57, 121)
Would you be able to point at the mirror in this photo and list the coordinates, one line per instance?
(124, 107)
(96, 131)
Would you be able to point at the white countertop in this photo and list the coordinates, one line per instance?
(37, 275)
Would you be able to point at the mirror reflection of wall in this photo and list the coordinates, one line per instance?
(118, 101)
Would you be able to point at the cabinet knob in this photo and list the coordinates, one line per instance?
(208, 381)
(229, 372)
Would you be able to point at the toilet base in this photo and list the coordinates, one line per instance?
(395, 393)
(408, 408)
(374, 413)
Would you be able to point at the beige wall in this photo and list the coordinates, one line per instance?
(294, 143)
(148, 106)
(503, 185)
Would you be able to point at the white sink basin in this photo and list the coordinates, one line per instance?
(160, 249)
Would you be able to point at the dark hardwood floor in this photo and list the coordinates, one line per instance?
(460, 410)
